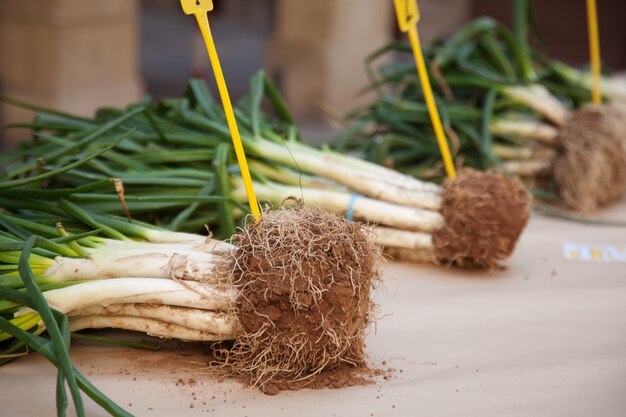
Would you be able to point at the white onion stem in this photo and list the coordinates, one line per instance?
(512, 152)
(539, 99)
(378, 182)
(139, 290)
(388, 237)
(195, 266)
(150, 326)
(531, 168)
(218, 323)
(411, 255)
(163, 236)
(532, 129)
(363, 208)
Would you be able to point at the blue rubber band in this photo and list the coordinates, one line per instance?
(350, 211)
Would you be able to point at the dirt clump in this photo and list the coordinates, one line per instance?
(304, 277)
(590, 170)
(340, 376)
(485, 213)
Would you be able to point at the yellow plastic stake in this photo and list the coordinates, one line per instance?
(594, 48)
(201, 8)
(408, 16)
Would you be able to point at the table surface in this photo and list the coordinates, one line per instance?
(544, 337)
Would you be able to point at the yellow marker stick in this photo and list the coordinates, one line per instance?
(594, 48)
(201, 8)
(408, 16)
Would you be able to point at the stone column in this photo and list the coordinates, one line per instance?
(75, 55)
(319, 47)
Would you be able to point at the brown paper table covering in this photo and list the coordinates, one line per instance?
(544, 337)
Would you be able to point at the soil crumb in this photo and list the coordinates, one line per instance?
(485, 213)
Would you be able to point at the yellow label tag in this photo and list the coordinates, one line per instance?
(196, 6)
(408, 14)
(200, 9)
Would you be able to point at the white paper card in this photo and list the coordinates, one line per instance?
(595, 252)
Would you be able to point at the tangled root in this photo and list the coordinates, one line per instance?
(485, 213)
(304, 277)
(590, 172)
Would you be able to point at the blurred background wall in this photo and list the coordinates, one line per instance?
(70, 54)
(78, 55)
